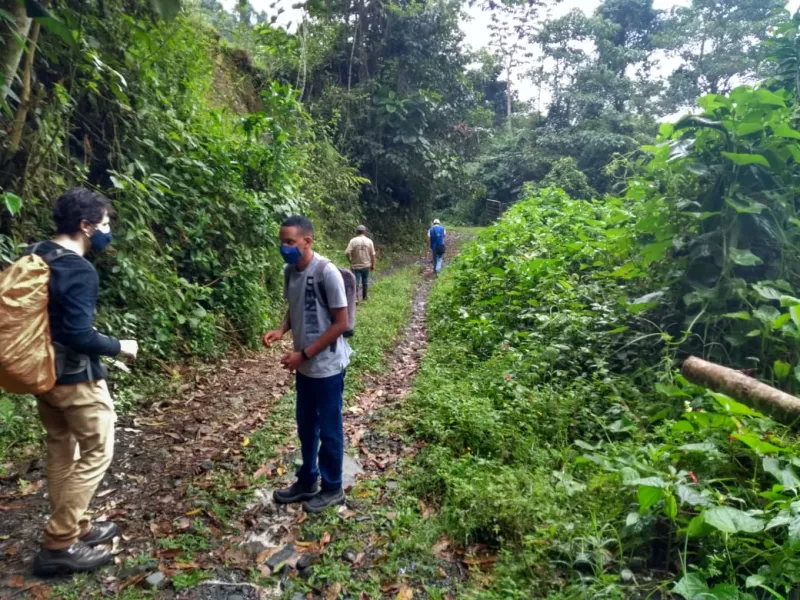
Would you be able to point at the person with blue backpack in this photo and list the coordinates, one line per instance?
(436, 242)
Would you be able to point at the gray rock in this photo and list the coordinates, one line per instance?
(177, 483)
(206, 465)
(235, 597)
(277, 560)
(156, 581)
(254, 548)
(307, 559)
(351, 468)
(349, 555)
(298, 596)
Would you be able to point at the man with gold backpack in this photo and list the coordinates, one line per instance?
(49, 347)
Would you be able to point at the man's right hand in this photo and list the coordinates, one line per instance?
(271, 337)
(129, 348)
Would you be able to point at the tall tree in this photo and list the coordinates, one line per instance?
(719, 44)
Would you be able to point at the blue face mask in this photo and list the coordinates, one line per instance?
(291, 254)
(100, 240)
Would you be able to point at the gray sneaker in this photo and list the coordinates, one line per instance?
(324, 500)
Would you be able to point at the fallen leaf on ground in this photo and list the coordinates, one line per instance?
(405, 593)
(302, 518)
(426, 509)
(280, 471)
(185, 566)
(391, 587)
(170, 553)
(441, 572)
(332, 593)
(40, 592)
(480, 560)
(441, 549)
(194, 512)
(347, 514)
(326, 539)
(105, 493)
(31, 488)
(246, 442)
(265, 470)
(11, 550)
(4, 507)
(16, 581)
(184, 523)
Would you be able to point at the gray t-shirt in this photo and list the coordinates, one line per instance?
(309, 318)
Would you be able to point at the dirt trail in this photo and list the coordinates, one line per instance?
(168, 451)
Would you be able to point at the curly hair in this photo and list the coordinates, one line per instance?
(77, 205)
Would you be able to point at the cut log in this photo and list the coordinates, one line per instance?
(764, 398)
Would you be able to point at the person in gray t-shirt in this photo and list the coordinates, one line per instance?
(320, 358)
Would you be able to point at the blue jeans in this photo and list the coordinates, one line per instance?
(438, 259)
(320, 429)
(362, 278)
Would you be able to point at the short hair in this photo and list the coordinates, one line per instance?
(77, 205)
(303, 225)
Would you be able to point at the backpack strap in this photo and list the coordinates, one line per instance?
(54, 255)
(50, 256)
(319, 282)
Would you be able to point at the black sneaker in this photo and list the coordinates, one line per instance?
(324, 500)
(100, 533)
(75, 559)
(297, 493)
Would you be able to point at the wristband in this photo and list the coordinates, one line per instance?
(305, 356)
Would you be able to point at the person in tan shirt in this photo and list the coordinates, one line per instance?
(361, 254)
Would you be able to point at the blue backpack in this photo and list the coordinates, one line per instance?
(437, 238)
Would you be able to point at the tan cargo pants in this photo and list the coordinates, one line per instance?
(80, 414)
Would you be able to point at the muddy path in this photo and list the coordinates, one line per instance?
(170, 456)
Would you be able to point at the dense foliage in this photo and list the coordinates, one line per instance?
(560, 431)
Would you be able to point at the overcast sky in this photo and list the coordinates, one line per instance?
(477, 33)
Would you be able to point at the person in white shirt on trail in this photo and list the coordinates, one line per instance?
(361, 254)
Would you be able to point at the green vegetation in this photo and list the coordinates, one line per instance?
(559, 431)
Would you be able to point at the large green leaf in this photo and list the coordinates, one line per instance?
(764, 96)
(784, 131)
(13, 203)
(50, 22)
(648, 496)
(756, 443)
(744, 258)
(732, 520)
(691, 586)
(746, 159)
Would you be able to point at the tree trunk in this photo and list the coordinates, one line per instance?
(11, 53)
(508, 96)
(15, 137)
(760, 396)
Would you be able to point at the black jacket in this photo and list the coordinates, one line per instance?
(73, 298)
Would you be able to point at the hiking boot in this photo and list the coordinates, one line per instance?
(74, 559)
(100, 533)
(297, 493)
(324, 500)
